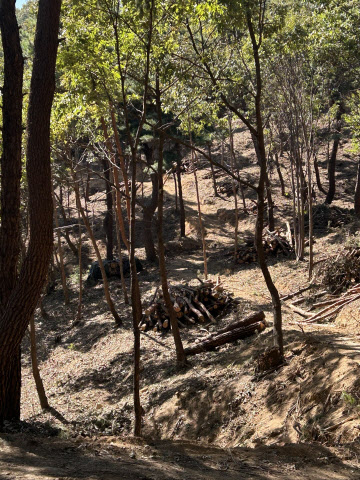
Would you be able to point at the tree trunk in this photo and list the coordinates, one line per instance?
(213, 173)
(122, 163)
(332, 160)
(331, 172)
(108, 298)
(11, 95)
(135, 302)
(181, 200)
(35, 368)
(281, 178)
(79, 309)
(109, 218)
(148, 216)
(180, 355)
(357, 192)
(119, 214)
(25, 294)
(61, 253)
(260, 144)
(10, 236)
(317, 175)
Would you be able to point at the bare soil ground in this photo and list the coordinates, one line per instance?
(301, 421)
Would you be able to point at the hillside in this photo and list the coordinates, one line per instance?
(302, 418)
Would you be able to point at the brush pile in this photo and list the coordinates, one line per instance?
(338, 272)
(274, 243)
(226, 187)
(191, 304)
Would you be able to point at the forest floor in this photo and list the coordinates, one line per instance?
(300, 421)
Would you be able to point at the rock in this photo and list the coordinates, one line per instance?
(112, 269)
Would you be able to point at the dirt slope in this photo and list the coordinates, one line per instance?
(303, 418)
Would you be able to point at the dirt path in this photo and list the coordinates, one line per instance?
(33, 458)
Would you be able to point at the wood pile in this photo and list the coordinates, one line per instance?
(226, 188)
(274, 243)
(239, 329)
(338, 272)
(327, 308)
(191, 304)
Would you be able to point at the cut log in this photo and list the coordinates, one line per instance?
(250, 319)
(210, 343)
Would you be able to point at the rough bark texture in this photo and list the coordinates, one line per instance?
(26, 292)
(10, 184)
(11, 146)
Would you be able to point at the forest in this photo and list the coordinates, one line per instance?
(179, 239)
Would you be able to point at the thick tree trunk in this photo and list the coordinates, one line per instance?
(10, 244)
(11, 95)
(25, 295)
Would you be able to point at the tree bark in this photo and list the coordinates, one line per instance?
(357, 192)
(317, 175)
(181, 200)
(35, 368)
(61, 253)
(25, 293)
(109, 217)
(212, 173)
(180, 355)
(108, 298)
(260, 144)
(10, 244)
(148, 211)
(332, 160)
(278, 169)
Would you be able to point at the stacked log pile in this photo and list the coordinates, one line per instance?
(191, 304)
(274, 243)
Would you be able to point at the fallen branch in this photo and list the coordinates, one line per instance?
(211, 342)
